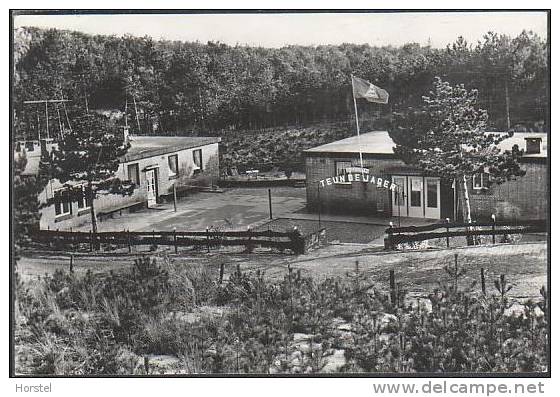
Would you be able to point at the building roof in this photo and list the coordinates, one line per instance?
(148, 146)
(379, 142)
(374, 142)
(518, 139)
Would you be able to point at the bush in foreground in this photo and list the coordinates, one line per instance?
(116, 323)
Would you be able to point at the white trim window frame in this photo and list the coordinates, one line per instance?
(173, 162)
(197, 160)
(62, 202)
(133, 173)
(82, 199)
(481, 181)
(340, 168)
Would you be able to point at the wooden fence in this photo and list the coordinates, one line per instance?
(411, 234)
(208, 239)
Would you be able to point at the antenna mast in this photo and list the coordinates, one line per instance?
(46, 102)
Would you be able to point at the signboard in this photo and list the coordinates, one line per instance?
(359, 177)
(357, 170)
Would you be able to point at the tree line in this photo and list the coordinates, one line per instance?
(173, 87)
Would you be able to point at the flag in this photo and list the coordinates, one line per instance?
(364, 89)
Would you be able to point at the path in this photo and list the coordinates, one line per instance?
(525, 265)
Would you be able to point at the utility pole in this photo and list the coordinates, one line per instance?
(47, 118)
(507, 107)
(126, 112)
(319, 203)
(46, 102)
(136, 111)
(174, 198)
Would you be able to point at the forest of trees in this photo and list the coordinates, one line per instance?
(193, 88)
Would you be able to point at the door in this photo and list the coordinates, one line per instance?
(415, 197)
(399, 196)
(151, 187)
(433, 198)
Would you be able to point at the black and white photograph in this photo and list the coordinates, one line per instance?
(280, 193)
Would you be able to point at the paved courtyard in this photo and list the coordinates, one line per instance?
(240, 208)
(233, 209)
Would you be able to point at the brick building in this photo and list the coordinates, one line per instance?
(389, 187)
(153, 163)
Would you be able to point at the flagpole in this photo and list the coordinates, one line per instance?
(357, 125)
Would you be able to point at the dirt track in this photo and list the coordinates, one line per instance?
(525, 265)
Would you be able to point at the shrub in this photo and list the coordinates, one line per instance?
(104, 323)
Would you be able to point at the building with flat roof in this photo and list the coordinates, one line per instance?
(154, 163)
(389, 187)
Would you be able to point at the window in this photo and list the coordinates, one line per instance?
(134, 173)
(399, 196)
(29, 146)
(197, 158)
(173, 162)
(533, 145)
(62, 202)
(82, 198)
(415, 192)
(481, 181)
(340, 168)
(432, 193)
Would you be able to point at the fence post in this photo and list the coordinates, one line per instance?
(174, 198)
(493, 229)
(357, 275)
(447, 229)
(71, 263)
(72, 245)
(389, 240)
(208, 239)
(221, 273)
(482, 281)
(90, 240)
(456, 272)
(175, 238)
(397, 294)
(128, 241)
(291, 294)
(392, 286)
(270, 203)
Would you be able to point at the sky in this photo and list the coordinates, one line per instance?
(276, 30)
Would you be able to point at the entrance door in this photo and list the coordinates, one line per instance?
(151, 187)
(399, 196)
(415, 197)
(433, 198)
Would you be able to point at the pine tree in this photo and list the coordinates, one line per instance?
(89, 154)
(448, 138)
(25, 206)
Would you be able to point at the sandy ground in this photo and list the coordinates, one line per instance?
(525, 265)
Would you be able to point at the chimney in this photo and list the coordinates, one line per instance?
(533, 145)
